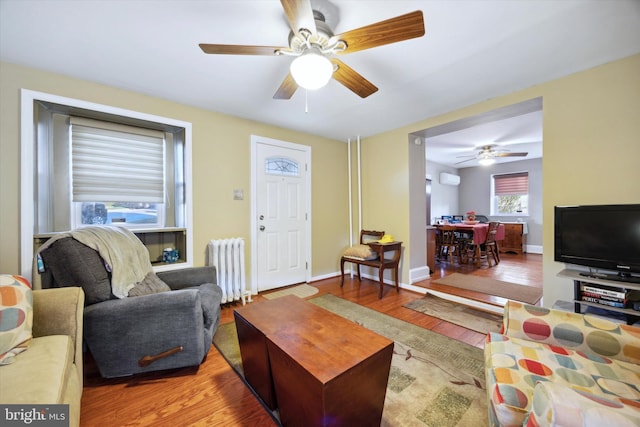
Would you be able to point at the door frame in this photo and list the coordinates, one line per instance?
(255, 140)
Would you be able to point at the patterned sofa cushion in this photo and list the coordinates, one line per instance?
(582, 333)
(555, 405)
(549, 350)
(515, 366)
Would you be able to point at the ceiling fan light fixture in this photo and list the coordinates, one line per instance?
(486, 161)
(311, 70)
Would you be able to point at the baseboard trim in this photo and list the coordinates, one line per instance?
(534, 249)
(327, 276)
(419, 274)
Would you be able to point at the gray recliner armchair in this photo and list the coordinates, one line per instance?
(166, 321)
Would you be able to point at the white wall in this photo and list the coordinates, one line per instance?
(444, 198)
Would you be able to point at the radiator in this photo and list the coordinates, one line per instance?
(227, 256)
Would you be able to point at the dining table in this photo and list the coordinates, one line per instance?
(476, 233)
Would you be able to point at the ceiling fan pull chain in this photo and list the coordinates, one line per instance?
(306, 101)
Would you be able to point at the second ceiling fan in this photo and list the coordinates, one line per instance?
(488, 153)
(314, 46)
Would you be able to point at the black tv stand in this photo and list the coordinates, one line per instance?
(615, 277)
(581, 278)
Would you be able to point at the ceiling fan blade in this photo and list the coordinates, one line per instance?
(231, 49)
(287, 88)
(392, 30)
(352, 80)
(468, 160)
(509, 154)
(299, 14)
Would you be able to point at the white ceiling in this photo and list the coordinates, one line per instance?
(513, 129)
(472, 51)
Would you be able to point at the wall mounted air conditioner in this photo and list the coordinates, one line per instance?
(449, 179)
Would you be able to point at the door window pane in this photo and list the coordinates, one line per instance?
(281, 166)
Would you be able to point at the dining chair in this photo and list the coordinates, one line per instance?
(447, 242)
(488, 250)
(464, 239)
(491, 244)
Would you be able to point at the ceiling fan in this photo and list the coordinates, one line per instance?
(487, 154)
(314, 46)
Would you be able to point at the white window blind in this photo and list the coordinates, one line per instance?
(511, 184)
(116, 163)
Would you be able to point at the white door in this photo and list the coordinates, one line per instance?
(281, 214)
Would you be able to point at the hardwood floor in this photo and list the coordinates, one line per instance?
(213, 394)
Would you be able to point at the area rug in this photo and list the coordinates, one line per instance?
(301, 291)
(459, 314)
(498, 288)
(434, 381)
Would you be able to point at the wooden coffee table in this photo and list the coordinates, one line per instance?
(317, 368)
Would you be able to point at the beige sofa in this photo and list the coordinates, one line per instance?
(50, 370)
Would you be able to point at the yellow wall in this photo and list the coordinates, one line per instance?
(591, 132)
(221, 163)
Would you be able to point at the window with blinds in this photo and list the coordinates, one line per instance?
(116, 163)
(511, 194)
(117, 173)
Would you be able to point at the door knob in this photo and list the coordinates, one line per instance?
(262, 228)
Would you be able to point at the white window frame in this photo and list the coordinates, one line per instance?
(494, 198)
(27, 170)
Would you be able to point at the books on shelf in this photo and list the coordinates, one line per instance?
(607, 295)
(601, 290)
(610, 303)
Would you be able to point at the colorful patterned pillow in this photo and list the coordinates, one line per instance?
(16, 316)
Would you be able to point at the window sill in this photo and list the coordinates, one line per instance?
(154, 239)
(165, 266)
(50, 234)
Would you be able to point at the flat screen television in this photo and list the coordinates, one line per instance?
(602, 237)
